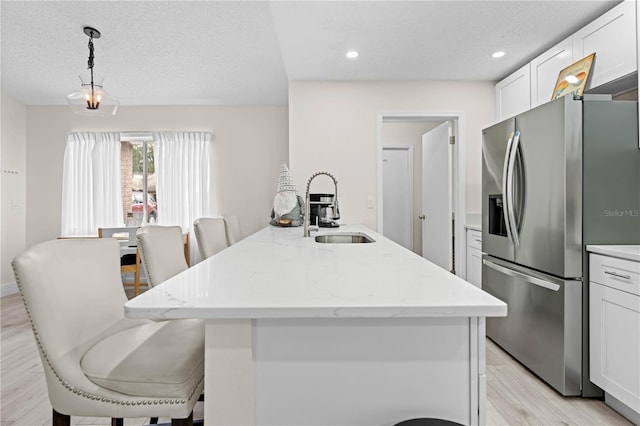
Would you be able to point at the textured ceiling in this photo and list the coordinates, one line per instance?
(244, 52)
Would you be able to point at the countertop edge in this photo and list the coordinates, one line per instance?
(627, 252)
(346, 312)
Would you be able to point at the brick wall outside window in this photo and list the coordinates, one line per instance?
(126, 175)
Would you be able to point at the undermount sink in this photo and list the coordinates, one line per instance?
(344, 238)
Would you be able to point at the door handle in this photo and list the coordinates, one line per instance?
(511, 217)
(528, 278)
(506, 195)
(422, 217)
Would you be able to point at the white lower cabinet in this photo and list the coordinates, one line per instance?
(474, 257)
(614, 331)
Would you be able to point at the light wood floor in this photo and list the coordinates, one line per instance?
(515, 396)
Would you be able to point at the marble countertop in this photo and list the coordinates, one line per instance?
(276, 273)
(629, 252)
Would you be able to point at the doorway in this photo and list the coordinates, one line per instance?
(456, 194)
(397, 172)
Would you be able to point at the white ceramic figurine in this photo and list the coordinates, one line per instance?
(288, 206)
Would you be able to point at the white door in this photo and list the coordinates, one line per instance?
(397, 192)
(436, 197)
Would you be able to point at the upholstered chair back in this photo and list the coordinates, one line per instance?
(211, 235)
(71, 304)
(161, 250)
(232, 226)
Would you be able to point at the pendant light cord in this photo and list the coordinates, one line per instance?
(90, 62)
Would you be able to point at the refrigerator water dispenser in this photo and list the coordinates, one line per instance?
(497, 225)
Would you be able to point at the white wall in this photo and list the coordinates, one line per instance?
(250, 143)
(332, 126)
(13, 183)
(410, 134)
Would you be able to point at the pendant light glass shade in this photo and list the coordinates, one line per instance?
(91, 98)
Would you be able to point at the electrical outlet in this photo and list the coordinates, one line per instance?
(370, 203)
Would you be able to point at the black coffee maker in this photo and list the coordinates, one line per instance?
(323, 210)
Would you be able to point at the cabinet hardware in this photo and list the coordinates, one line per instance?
(615, 274)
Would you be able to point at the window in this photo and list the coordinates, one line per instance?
(138, 181)
(109, 180)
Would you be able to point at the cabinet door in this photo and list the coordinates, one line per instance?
(474, 257)
(474, 267)
(513, 94)
(545, 69)
(614, 344)
(613, 39)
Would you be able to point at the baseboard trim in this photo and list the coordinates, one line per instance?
(629, 413)
(8, 288)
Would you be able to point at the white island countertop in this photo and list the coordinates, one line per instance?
(628, 252)
(276, 273)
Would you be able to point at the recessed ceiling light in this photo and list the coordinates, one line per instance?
(352, 54)
(498, 54)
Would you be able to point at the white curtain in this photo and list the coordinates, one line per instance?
(91, 190)
(184, 180)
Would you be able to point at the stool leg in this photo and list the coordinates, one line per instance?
(136, 279)
(60, 419)
(183, 422)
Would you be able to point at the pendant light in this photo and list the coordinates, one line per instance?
(92, 99)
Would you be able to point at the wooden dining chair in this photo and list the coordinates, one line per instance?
(130, 257)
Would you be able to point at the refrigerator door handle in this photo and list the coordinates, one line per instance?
(528, 278)
(505, 193)
(511, 214)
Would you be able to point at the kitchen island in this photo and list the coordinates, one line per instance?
(306, 333)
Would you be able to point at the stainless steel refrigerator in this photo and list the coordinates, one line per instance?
(554, 179)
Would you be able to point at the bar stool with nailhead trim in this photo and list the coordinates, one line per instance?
(97, 363)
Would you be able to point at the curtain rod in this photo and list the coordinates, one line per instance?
(137, 136)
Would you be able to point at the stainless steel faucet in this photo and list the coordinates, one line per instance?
(307, 200)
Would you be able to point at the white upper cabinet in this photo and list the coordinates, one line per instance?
(545, 69)
(613, 39)
(513, 94)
